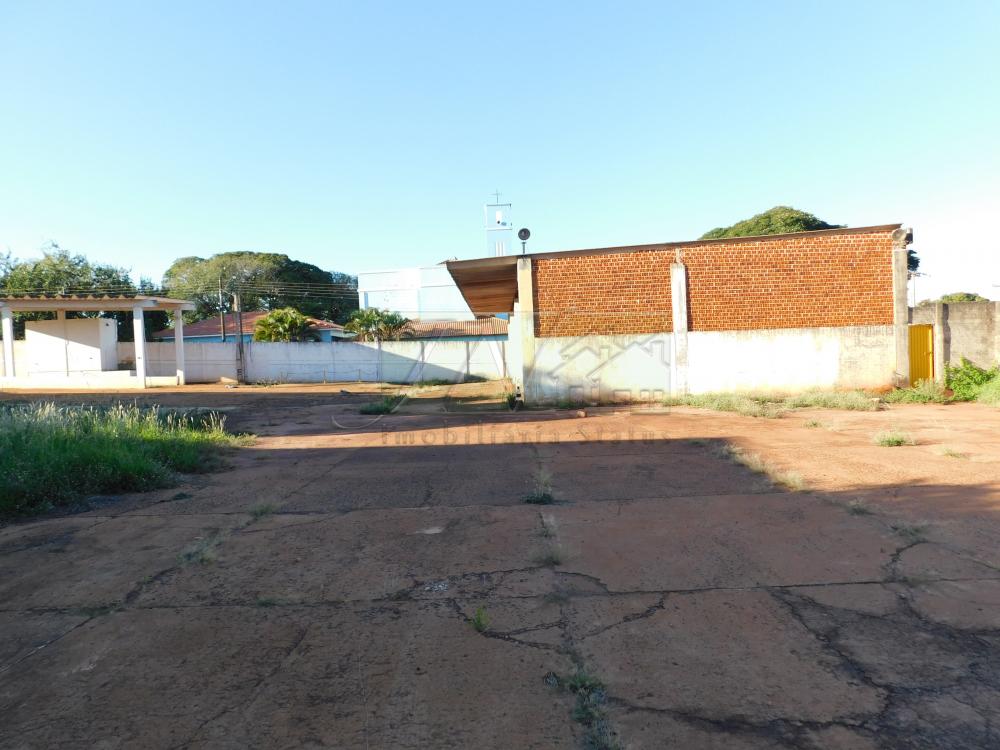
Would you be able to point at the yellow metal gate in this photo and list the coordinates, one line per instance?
(921, 353)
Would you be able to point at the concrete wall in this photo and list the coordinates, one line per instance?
(395, 361)
(790, 360)
(962, 329)
(646, 367)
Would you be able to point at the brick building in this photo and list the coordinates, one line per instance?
(781, 313)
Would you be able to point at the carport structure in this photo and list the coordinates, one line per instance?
(19, 375)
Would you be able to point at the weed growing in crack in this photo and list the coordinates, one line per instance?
(911, 532)
(262, 510)
(859, 507)
(952, 453)
(480, 620)
(588, 709)
(551, 557)
(203, 551)
(542, 494)
(893, 439)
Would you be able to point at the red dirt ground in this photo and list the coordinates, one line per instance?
(340, 562)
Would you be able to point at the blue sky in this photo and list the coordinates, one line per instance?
(359, 136)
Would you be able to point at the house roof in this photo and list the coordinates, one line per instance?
(210, 326)
(489, 285)
(443, 329)
(101, 302)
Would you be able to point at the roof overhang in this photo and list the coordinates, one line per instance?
(489, 285)
(74, 303)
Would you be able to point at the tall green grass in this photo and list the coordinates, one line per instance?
(52, 455)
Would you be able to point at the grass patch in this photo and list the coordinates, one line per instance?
(550, 557)
(893, 439)
(813, 423)
(755, 463)
(924, 392)
(772, 406)
(588, 708)
(568, 403)
(262, 510)
(859, 507)
(480, 620)
(203, 551)
(952, 453)
(385, 405)
(911, 532)
(54, 455)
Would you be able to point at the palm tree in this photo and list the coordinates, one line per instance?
(285, 324)
(374, 324)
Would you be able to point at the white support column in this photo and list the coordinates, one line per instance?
(179, 346)
(526, 318)
(139, 331)
(679, 315)
(8, 341)
(900, 309)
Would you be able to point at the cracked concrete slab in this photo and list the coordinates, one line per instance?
(723, 655)
(728, 541)
(98, 564)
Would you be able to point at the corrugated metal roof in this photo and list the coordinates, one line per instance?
(443, 329)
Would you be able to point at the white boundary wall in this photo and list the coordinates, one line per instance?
(392, 361)
(645, 367)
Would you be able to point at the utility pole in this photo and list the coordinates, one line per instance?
(241, 366)
(222, 312)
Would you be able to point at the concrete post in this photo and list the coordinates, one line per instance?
(900, 308)
(940, 353)
(179, 347)
(996, 333)
(139, 331)
(526, 318)
(679, 314)
(7, 316)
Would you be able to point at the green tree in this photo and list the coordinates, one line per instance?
(963, 297)
(59, 271)
(784, 220)
(284, 324)
(265, 281)
(374, 324)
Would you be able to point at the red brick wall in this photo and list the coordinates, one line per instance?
(604, 294)
(793, 282)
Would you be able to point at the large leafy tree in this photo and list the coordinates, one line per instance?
(374, 324)
(285, 324)
(784, 220)
(264, 281)
(59, 271)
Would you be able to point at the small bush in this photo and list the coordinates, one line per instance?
(924, 392)
(966, 379)
(858, 507)
(893, 439)
(385, 405)
(989, 393)
(511, 400)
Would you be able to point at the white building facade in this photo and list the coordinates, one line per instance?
(421, 293)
